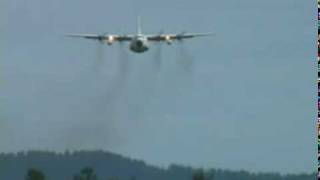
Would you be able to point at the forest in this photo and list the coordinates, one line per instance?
(103, 165)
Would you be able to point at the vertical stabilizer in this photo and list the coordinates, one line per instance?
(139, 25)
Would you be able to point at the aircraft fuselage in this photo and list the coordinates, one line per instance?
(139, 44)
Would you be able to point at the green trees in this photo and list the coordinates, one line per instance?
(86, 173)
(201, 175)
(104, 165)
(34, 174)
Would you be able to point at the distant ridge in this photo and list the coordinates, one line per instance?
(63, 166)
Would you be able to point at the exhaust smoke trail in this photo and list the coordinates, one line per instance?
(184, 64)
(158, 57)
(158, 53)
(100, 58)
(112, 104)
(185, 59)
(98, 123)
(114, 87)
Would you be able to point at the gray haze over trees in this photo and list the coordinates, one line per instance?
(243, 99)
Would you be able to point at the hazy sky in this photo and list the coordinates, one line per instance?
(244, 99)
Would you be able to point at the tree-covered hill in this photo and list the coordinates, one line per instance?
(64, 166)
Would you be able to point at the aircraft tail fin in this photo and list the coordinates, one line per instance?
(139, 31)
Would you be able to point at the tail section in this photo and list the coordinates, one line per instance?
(139, 31)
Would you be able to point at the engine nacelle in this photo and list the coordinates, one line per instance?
(168, 40)
(110, 40)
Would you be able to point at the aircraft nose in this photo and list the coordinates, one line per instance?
(139, 43)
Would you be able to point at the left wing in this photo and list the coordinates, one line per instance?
(109, 38)
(171, 37)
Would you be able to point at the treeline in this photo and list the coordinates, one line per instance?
(88, 173)
(101, 165)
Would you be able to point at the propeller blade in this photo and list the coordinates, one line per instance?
(181, 34)
(102, 37)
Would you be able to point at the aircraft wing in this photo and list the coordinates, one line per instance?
(109, 38)
(170, 37)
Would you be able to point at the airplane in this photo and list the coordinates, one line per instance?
(139, 42)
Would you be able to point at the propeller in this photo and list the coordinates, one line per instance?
(180, 35)
(101, 37)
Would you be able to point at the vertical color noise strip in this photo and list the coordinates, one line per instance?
(318, 82)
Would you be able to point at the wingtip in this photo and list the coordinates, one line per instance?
(67, 35)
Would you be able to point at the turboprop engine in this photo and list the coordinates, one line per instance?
(110, 39)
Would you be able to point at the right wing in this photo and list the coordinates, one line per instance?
(170, 37)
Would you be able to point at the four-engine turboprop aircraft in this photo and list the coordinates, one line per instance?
(139, 42)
